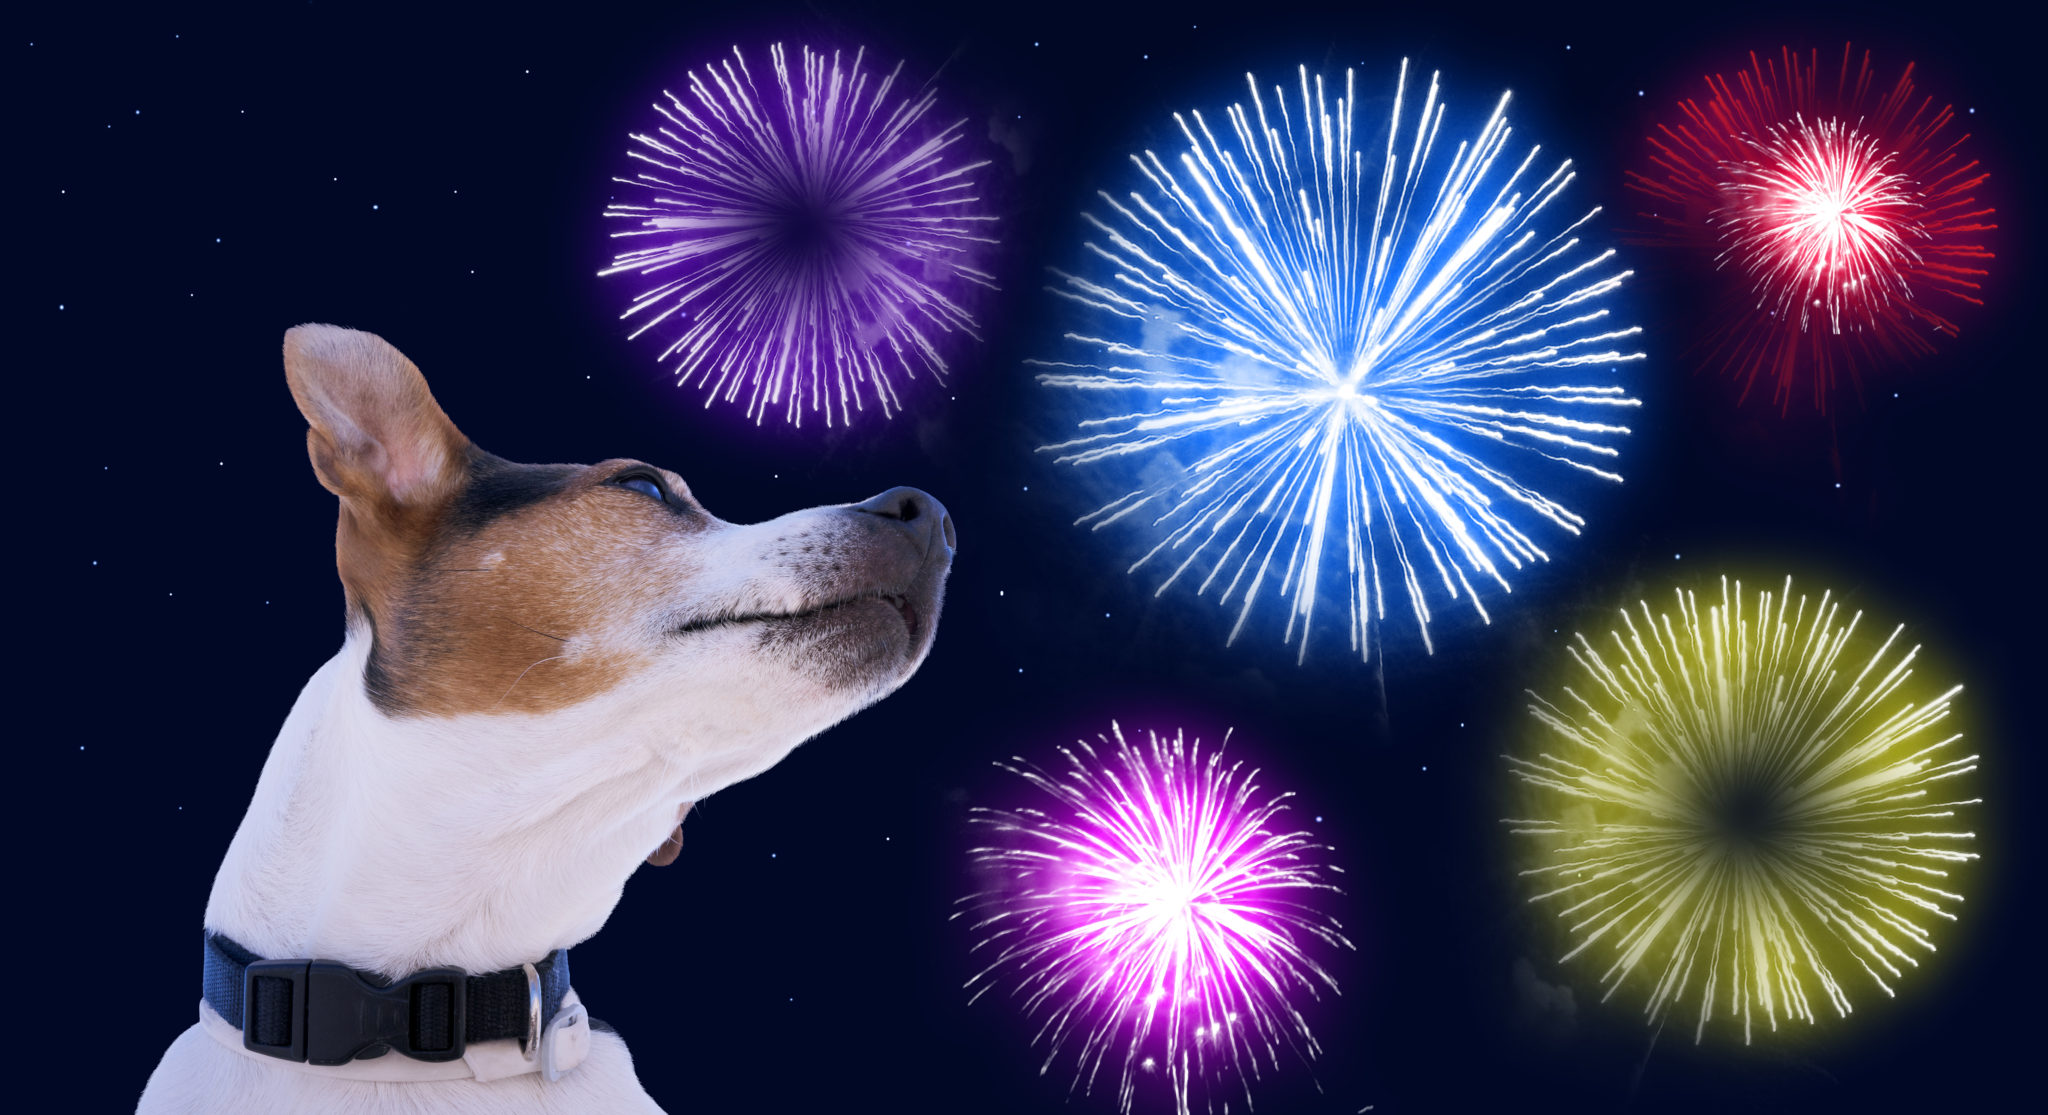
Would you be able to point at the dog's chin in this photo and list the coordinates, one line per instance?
(871, 642)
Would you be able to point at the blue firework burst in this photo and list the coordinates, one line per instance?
(810, 242)
(1312, 355)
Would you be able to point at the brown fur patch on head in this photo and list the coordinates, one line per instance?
(486, 586)
(533, 594)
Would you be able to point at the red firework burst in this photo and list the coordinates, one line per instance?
(1847, 220)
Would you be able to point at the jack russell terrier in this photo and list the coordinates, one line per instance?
(545, 665)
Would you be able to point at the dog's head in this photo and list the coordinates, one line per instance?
(603, 596)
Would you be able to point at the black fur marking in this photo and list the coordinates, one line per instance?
(377, 682)
(498, 487)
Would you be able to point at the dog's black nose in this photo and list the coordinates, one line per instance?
(924, 516)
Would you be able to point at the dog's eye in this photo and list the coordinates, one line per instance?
(642, 483)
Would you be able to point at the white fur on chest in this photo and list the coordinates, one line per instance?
(475, 842)
(472, 842)
(355, 848)
(198, 1075)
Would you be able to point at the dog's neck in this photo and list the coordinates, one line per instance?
(400, 844)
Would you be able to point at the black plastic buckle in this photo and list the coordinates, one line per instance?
(293, 972)
(336, 1015)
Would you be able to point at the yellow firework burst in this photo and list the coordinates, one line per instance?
(1744, 815)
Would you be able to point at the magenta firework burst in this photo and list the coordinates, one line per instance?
(804, 242)
(1849, 217)
(1151, 909)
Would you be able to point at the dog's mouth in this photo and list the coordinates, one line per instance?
(905, 609)
(901, 602)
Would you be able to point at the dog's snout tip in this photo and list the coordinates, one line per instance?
(916, 510)
(902, 504)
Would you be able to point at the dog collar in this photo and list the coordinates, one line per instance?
(325, 1013)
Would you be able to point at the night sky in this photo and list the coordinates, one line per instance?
(193, 183)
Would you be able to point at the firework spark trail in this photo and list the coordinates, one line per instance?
(816, 240)
(1350, 352)
(1736, 817)
(1153, 907)
(1823, 199)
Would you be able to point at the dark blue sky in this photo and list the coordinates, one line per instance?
(192, 183)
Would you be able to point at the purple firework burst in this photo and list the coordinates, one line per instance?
(1154, 912)
(811, 241)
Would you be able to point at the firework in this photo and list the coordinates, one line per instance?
(810, 243)
(1850, 219)
(1152, 912)
(1743, 820)
(1350, 354)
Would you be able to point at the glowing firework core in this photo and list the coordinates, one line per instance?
(1739, 820)
(1850, 213)
(814, 243)
(1154, 907)
(1327, 356)
(1821, 223)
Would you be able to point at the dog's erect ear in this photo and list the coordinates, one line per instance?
(378, 438)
